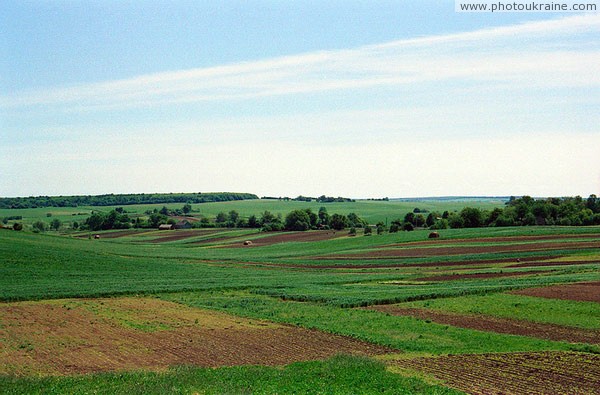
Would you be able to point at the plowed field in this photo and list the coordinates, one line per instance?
(589, 292)
(424, 252)
(496, 324)
(548, 372)
(287, 237)
(82, 336)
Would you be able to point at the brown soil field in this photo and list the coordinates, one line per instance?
(554, 263)
(112, 235)
(287, 237)
(425, 252)
(587, 292)
(91, 335)
(468, 276)
(496, 324)
(175, 235)
(545, 372)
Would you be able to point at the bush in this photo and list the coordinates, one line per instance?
(39, 226)
(17, 226)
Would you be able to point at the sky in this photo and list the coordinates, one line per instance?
(361, 99)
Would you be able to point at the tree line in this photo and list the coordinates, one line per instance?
(298, 220)
(522, 211)
(121, 199)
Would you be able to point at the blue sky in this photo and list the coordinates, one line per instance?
(352, 98)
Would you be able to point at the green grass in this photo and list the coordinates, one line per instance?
(283, 283)
(399, 332)
(548, 311)
(338, 375)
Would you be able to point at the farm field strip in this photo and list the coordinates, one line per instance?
(578, 314)
(517, 373)
(83, 336)
(466, 250)
(584, 292)
(498, 325)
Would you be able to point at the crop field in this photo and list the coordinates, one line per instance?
(482, 311)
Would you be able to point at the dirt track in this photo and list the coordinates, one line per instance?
(540, 373)
(83, 336)
(495, 324)
(588, 292)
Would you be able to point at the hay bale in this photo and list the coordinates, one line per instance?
(434, 235)
(247, 243)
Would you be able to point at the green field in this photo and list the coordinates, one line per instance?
(329, 285)
(372, 211)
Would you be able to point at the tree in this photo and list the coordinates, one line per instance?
(253, 222)
(352, 231)
(471, 217)
(233, 216)
(323, 216)
(39, 226)
(187, 208)
(367, 231)
(338, 221)
(314, 219)
(156, 219)
(297, 220)
(355, 220)
(164, 210)
(55, 224)
(221, 218)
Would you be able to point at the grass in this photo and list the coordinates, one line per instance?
(549, 311)
(372, 211)
(283, 283)
(338, 375)
(402, 333)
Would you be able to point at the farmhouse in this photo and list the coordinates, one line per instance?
(183, 225)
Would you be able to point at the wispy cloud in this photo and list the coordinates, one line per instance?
(531, 54)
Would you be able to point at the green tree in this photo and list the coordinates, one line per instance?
(253, 222)
(323, 216)
(471, 217)
(221, 218)
(297, 220)
(338, 221)
(164, 210)
(55, 224)
(187, 208)
(367, 231)
(39, 226)
(233, 216)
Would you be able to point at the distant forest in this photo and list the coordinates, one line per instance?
(121, 199)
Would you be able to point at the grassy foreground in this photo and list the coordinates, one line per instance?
(338, 375)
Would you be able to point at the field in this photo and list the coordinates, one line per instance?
(371, 210)
(482, 311)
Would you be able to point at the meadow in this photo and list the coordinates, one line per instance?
(148, 311)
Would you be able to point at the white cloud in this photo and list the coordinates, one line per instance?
(523, 53)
